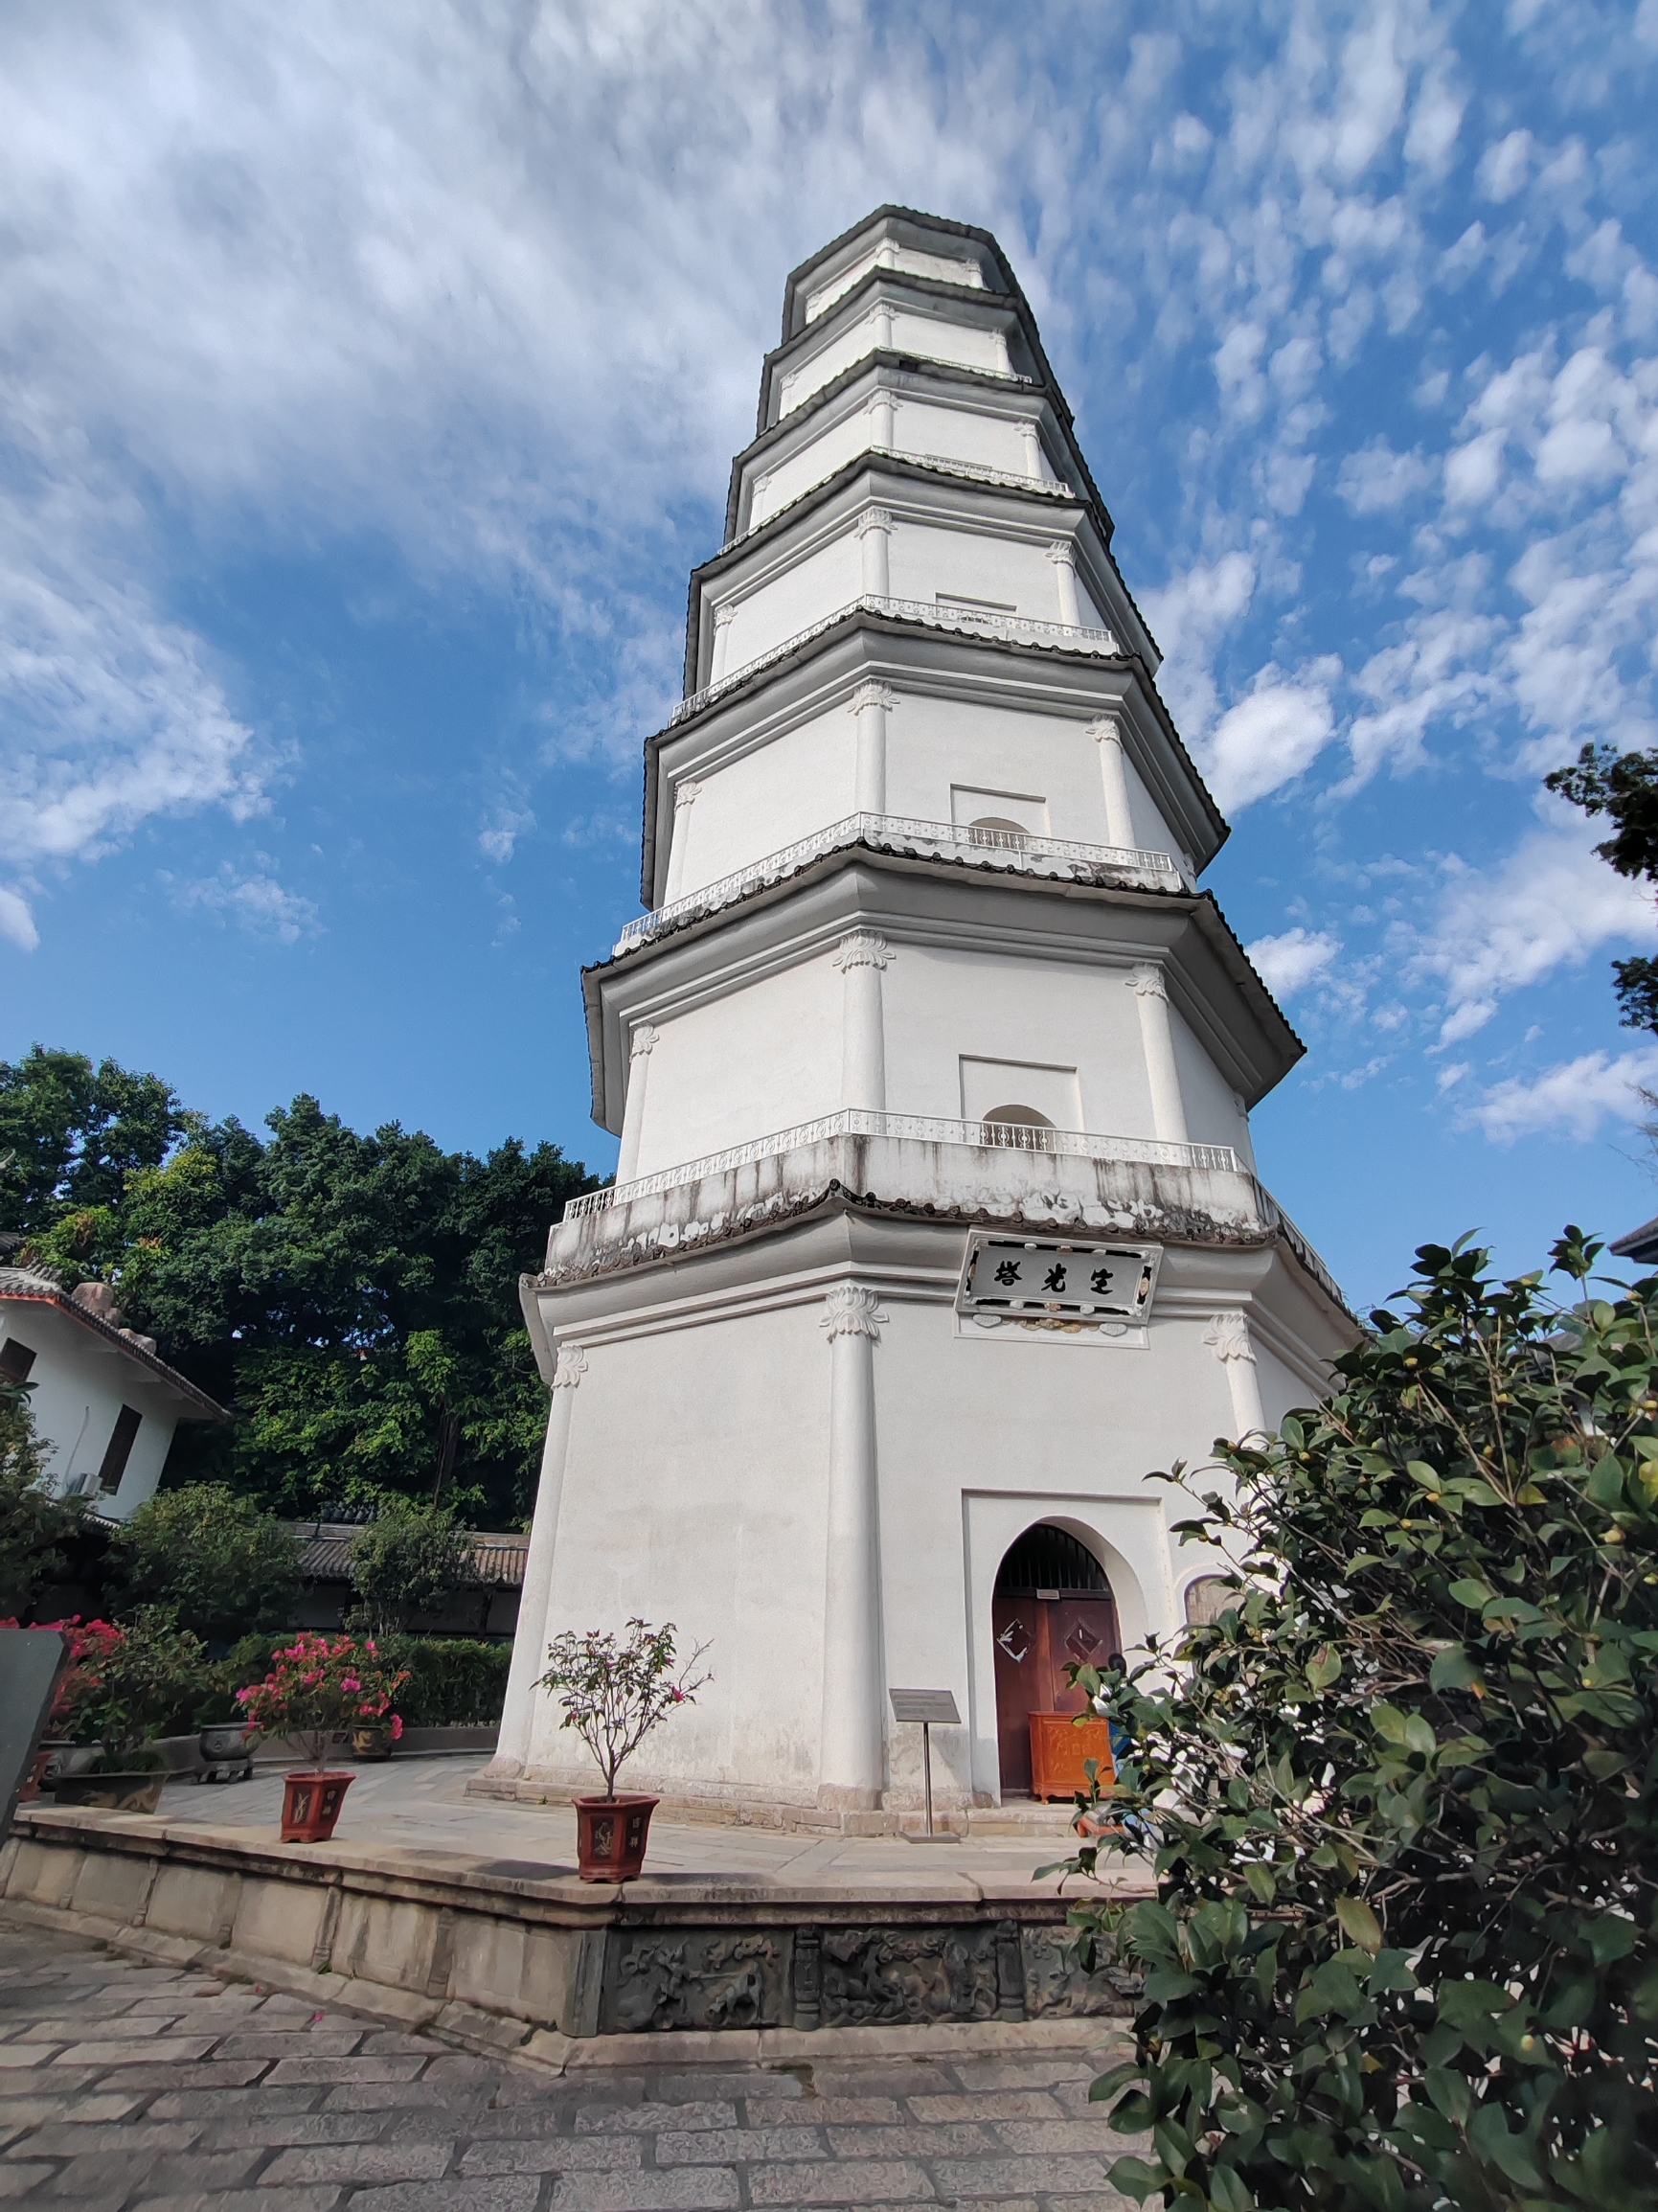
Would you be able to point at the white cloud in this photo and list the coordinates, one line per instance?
(1505, 167)
(1191, 616)
(1549, 905)
(17, 922)
(258, 903)
(499, 837)
(1376, 478)
(1269, 738)
(1575, 1099)
(1288, 963)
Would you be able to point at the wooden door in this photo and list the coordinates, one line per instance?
(1036, 1637)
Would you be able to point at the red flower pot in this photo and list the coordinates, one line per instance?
(312, 1804)
(610, 1837)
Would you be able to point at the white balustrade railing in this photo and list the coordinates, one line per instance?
(971, 621)
(971, 471)
(902, 832)
(923, 1129)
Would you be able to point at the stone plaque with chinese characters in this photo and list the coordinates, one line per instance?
(1043, 1278)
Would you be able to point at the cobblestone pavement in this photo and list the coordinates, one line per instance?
(128, 2085)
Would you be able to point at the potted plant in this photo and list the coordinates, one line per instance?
(123, 1687)
(613, 1695)
(318, 1689)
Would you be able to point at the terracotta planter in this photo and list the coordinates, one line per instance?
(311, 1802)
(370, 1741)
(610, 1837)
(134, 1793)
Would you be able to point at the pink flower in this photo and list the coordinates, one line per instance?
(396, 1726)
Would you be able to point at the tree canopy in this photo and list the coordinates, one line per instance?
(1402, 1799)
(1624, 786)
(353, 1299)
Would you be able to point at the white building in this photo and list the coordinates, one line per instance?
(104, 1407)
(936, 1218)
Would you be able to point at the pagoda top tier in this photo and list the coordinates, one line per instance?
(900, 239)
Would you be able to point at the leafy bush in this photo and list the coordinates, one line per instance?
(135, 1684)
(318, 1687)
(453, 1683)
(410, 1560)
(35, 1526)
(1402, 1796)
(210, 1561)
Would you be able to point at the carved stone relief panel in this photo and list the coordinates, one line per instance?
(1056, 1986)
(693, 1978)
(876, 1976)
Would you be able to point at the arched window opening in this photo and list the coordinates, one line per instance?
(997, 834)
(1207, 1599)
(1052, 1608)
(1018, 1126)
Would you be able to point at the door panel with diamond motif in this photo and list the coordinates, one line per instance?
(1036, 1637)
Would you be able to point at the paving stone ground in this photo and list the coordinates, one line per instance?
(124, 2084)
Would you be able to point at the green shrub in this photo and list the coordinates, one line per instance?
(453, 1683)
(411, 1558)
(213, 1562)
(1401, 1798)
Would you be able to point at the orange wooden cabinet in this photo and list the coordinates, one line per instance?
(1058, 1747)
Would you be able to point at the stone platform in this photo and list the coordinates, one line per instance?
(429, 1909)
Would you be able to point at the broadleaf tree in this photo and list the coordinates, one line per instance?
(353, 1299)
(1401, 1798)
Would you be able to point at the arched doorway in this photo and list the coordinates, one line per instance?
(1052, 1606)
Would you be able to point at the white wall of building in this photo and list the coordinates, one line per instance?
(696, 1490)
(768, 1055)
(927, 336)
(81, 1384)
(759, 1059)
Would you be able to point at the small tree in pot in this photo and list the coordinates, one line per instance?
(613, 1694)
(319, 1688)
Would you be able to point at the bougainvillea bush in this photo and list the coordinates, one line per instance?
(319, 1687)
(614, 1693)
(1402, 1798)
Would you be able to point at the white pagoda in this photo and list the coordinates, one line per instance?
(936, 1226)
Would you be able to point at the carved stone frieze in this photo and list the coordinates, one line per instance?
(1057, 1986)
(880, 1975)
(696, 1978)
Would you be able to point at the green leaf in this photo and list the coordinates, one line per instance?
(1228, 2192)
(1449, 2091)
(1475, 1595)
(1108, 2083)
(1610, 1938)
(1452, 1669)
(1136, 2179)
(1323, 1668)
(1359, 1924)
(1605, 1483)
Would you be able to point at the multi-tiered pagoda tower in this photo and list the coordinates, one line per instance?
(936, 1226)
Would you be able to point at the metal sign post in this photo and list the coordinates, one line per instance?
(932, 1708)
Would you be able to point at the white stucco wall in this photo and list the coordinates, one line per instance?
(768, 1055)
(81, 1384)
(942, 269)
(928, 338)
(1046, 767)
(696, 1490)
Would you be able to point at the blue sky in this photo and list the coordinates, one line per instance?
(372, 377)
